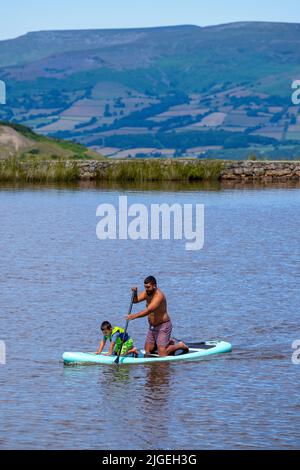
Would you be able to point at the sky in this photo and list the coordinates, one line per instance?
(17, 17)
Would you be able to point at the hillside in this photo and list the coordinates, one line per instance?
(21, 142)
(216, 91)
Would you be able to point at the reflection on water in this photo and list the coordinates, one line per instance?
(242, 287)
(176, 186)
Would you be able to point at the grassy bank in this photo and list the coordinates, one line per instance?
(163, 170)
(39, 170)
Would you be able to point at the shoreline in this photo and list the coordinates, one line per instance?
(149, 170)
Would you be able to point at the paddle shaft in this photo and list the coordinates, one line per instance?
(125, 331)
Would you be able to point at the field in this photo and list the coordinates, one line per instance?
(167, 90)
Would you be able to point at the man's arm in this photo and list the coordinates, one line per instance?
(138, 297)
(153, 305)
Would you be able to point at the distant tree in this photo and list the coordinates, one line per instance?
(141, 155)
(178, 153)
(34, 152)
(276, 117)
(236, 141)
(81, 125)
(119, 103)
(251, 112)
(107, 112)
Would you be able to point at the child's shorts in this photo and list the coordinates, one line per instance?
(126, 347)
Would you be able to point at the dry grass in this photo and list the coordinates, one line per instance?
(38, 171)
(164, 170)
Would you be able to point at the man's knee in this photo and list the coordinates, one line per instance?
(149, 347)
(162, 351)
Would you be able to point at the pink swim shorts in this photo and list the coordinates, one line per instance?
(160, 335)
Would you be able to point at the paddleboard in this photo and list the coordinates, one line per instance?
(204, 349)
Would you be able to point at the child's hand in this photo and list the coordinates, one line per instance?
(97, 352)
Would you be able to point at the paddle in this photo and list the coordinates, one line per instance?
(125, 331)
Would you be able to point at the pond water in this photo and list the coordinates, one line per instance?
(58, 282)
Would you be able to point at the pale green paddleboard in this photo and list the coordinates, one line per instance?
(205, 349)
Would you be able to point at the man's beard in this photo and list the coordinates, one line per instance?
(149, 292)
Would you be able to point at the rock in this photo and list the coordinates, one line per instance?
(86, 176)
(229, 176)
(259, 172)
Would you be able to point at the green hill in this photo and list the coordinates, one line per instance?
(17, 141)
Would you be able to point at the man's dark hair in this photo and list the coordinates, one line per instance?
(106, 324)
(150, 280)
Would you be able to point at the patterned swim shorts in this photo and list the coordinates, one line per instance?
(160, 335)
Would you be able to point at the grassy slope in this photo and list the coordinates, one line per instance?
(44, 160)
(44, 148)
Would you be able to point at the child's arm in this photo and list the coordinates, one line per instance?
(113, 341)
(101, 347)
(111, 349)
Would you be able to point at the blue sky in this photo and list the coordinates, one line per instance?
(17, 17)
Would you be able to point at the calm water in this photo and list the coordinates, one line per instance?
(58, 282)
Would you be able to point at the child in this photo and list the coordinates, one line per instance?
(115, 336)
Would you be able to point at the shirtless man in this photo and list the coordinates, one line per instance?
(159, 334)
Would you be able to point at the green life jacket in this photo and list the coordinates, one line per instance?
(121, 331)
